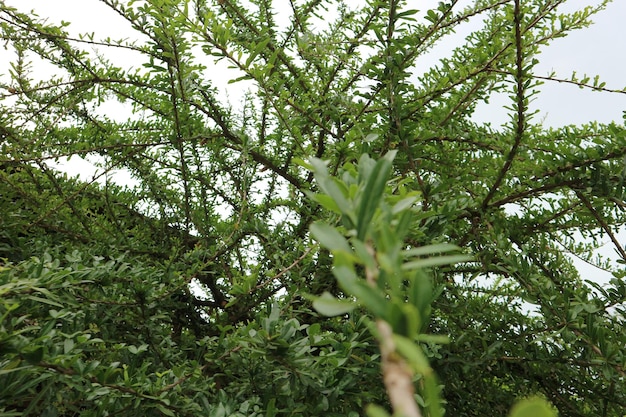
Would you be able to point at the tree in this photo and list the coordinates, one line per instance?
(201, 288)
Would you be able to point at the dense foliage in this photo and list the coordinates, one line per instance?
(190, 289)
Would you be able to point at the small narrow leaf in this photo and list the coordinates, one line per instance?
(44, 301)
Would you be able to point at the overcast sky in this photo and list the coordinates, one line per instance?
(598, 50)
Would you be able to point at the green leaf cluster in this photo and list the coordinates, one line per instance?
(180, 202)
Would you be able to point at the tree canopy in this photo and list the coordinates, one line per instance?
(266, 256)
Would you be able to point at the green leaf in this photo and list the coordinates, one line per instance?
(327, 202)
(319, 168)
(363, 255)
(369, 297)
(271, 411)
(44, 301)
(413, 354)
(406, 14)
(373, 193)
(371, 137)
(34, 355)
(12, 365)
(374, 410)
(329, 237)
(420, 291)
(329, 306)
(68, 345)
(433, 395)
(258, 48)
(238, 79)
(435, 261)
(301, 162)
(333, 188)
(165, 410)
(431, 249)
(345, 275)
(404, 319)
(533, 407)
(4, 371)
(432, 338)
(403, 204)
(135, 350)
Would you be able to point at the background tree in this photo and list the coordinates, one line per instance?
(185, 292)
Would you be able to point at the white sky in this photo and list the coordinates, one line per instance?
(598, 50)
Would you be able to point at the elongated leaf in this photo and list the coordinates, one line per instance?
(436, 261)
(373, 193)
(431, 249)
(332, 188)
(304, 164)
(11, 366)
(432, 394)
(329, 306)
(366, 165)
(329, 237)
(6, 371)
(68, 345)
(44, 300)
(413, 354)
(369, 297)
(403, 204)
(165, 411)
(319, 168)
(257, 50)
(270, 411)
(405, 319)
(432, 338)
(327, 202)
(420, 291)
(364, 256)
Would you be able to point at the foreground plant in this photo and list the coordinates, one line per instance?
(394, 290)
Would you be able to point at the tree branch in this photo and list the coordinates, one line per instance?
(520, 124)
